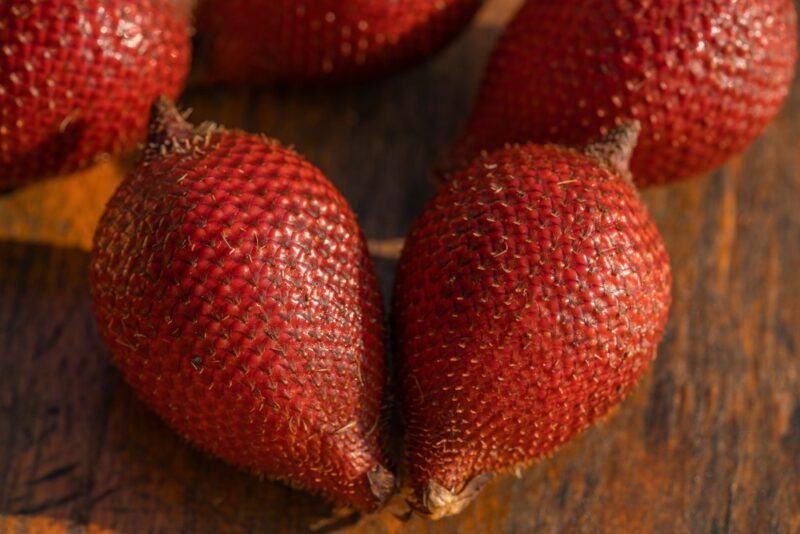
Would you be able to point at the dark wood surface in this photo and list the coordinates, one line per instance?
(709, 442)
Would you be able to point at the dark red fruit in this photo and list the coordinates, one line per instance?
(77, 78)
(704, 77)
(287, 40)
(530, 297)
(235, 292)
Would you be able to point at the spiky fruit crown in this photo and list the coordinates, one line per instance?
(322, 39)
(704, 77)
(530, 296)
(234, 290)
(77, 78)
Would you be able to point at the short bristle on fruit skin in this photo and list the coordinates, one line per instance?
(235, 293)
(530, 297)
(264, 41)
(704, 77)
(77, 78)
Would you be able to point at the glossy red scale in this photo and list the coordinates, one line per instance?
(290, 40)
(78, 77)
(235, 293)
(530, 297)
(704, 77)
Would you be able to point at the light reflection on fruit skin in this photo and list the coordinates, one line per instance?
(78, 78)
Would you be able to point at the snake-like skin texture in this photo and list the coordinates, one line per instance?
(78, 77)
(704, 77)
(530, 297)
(291, 40)
(234, 290)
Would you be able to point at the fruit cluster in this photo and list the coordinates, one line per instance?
(234, 288)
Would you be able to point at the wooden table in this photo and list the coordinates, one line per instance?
(710, 441)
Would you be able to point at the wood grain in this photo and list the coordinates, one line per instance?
(710, 441)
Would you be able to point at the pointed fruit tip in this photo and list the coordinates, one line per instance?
(381, 483)
(439, 502)
(615, 149)
(166, 123)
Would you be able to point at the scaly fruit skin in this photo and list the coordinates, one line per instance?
(285, 40)
(77, 78)
(234, 290)
(704, 77)
(530, 296)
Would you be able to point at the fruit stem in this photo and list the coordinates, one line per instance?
(167, 125)
(615, 149)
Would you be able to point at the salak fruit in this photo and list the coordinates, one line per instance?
(286, 40)
(234, 290)
(77, 78)
(531, 295)
(704, 77)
